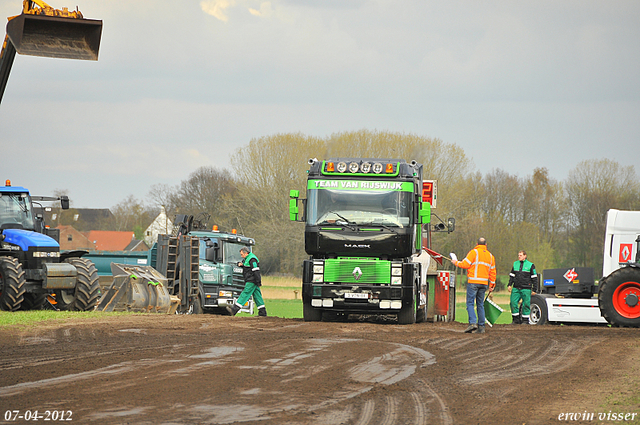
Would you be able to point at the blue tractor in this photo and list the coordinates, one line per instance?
(32, 267)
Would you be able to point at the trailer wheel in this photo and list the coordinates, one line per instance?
(87, 291)
(538, 315)
(12, 282)
(619, 297)
(309, 313)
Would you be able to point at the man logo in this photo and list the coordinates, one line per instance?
(357, 273)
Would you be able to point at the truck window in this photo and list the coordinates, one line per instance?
(15, 208)
(232, 252)
(389, 208)
(203, 247)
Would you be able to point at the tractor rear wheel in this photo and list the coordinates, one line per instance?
(87, 291)
(619, 297)
(33, 301)
(12, 282)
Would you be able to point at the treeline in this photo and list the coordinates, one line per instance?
(558, 223)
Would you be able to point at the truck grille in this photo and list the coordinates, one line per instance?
(343, 270)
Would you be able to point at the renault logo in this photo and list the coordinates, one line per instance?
(356, 273)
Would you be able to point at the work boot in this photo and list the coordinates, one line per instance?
(262, 311)
(472, 327)
(515, 320)
(233, 310)
(480, 329)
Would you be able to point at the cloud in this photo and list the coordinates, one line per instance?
(220, 8)
(265, 9)
(216, 8)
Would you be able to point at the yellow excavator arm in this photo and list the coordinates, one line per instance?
(42, 30)
(38, 7)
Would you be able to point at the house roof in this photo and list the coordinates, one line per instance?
(71, 238)
(136, 245)
(108, 240)
(82, 218)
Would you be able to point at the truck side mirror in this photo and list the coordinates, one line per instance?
(210, 254)
(64, 202)
(425, 212)
(294, 211)
(451, 224)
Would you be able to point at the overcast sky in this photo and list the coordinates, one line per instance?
(184, 83)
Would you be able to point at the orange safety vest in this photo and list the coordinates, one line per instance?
(481, 266)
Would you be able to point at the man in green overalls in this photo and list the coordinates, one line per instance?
(253, 281)
(524, 281)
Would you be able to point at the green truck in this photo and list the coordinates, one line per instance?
(363, 220)
(200, 264)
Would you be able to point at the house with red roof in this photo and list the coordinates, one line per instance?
(111, 240)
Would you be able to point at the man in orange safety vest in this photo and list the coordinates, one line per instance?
(481, 275)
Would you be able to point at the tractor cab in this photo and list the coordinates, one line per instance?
(15, 208)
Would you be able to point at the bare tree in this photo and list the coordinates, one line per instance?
(592, 188)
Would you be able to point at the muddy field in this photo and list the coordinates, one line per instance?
(156, 369)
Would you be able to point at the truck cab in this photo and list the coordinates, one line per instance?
(363, 223)
(220, 277)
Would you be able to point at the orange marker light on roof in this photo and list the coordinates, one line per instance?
(7, 183)
(234, 231)
(215, 227)
(389, 168)
(331, 167)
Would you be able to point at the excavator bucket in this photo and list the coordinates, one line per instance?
(138, 289)
(55, 37)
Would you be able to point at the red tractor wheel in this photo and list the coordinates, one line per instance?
(619, 297)
(625, 300)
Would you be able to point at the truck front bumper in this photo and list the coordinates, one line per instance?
(356, 297)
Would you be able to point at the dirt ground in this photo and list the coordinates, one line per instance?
(170, 369)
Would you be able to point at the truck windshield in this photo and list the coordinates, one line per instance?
(361, 208)
(232, 252)
(15, 210)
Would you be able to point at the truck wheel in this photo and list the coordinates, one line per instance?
(421, 314)
(87, 291)
(12, 282)
(311, 314)
(619, 297)
(407, 314)
(33, 301)
(197, 306)
(538, 315)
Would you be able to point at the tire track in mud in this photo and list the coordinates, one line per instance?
(373, 390)
(410, 401)
(510, 358)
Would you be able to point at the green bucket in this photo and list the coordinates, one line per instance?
(491, 311)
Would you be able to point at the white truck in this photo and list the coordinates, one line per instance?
(571, 295)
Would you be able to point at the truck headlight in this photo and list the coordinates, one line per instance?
(396, 273)
(318, 272)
